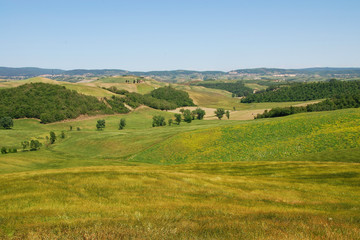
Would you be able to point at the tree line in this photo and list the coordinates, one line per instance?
(165, 98)
(339, 102)
(304, 91)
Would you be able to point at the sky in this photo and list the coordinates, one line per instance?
(145, 35)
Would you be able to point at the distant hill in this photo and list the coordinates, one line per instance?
(179, 75)
(27, 71)
(306, 71)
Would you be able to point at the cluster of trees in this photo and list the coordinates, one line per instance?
(134, 81)
(158, 121)
(134, 100)
(340, 102)
(117, 104)
(178, 97)
(186, 116)
(100, 124)
(304, 91)
(47, 102)
(4, 150)
(237, 88)
(165, 98)
(33, 145)
(219, 113)
(117, 91)
(71, 128)
(6, 122)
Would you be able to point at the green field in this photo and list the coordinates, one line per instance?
(295, 177)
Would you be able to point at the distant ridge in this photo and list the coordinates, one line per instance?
(25, 72)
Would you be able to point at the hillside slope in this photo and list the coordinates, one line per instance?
(261, 139)
(48, 102)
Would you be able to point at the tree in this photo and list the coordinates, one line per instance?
(158, 121)
(100, 125)
(187, 116)
(25, 144)
(219, 113)
(200, 113)
(170, 121)
(70, 128)
(3, 150)
(78, 129)
(122, 123)
(52, 138)
(178, 118)
(6, 122)
(193, 114)
(227, 113)
(62, 135)
(34, 145)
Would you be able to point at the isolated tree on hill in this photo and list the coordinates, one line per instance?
(200, 113)
(187, 116)
(6, 122)
(193, 114)
(3, 150)
(52, 137)
(177, 118)
(100, 125)
(170, 121)
(158, 121)
(219, 113)
(70, 128)
(34, 145)
(227, 113)
(122, 123)
(62, 135)
(25, 144)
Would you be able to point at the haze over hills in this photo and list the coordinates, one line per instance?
(177, 75)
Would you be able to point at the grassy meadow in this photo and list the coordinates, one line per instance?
(295, 177)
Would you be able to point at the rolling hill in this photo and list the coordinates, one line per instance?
(302, 179)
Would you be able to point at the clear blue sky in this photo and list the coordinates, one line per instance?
(179, 34)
